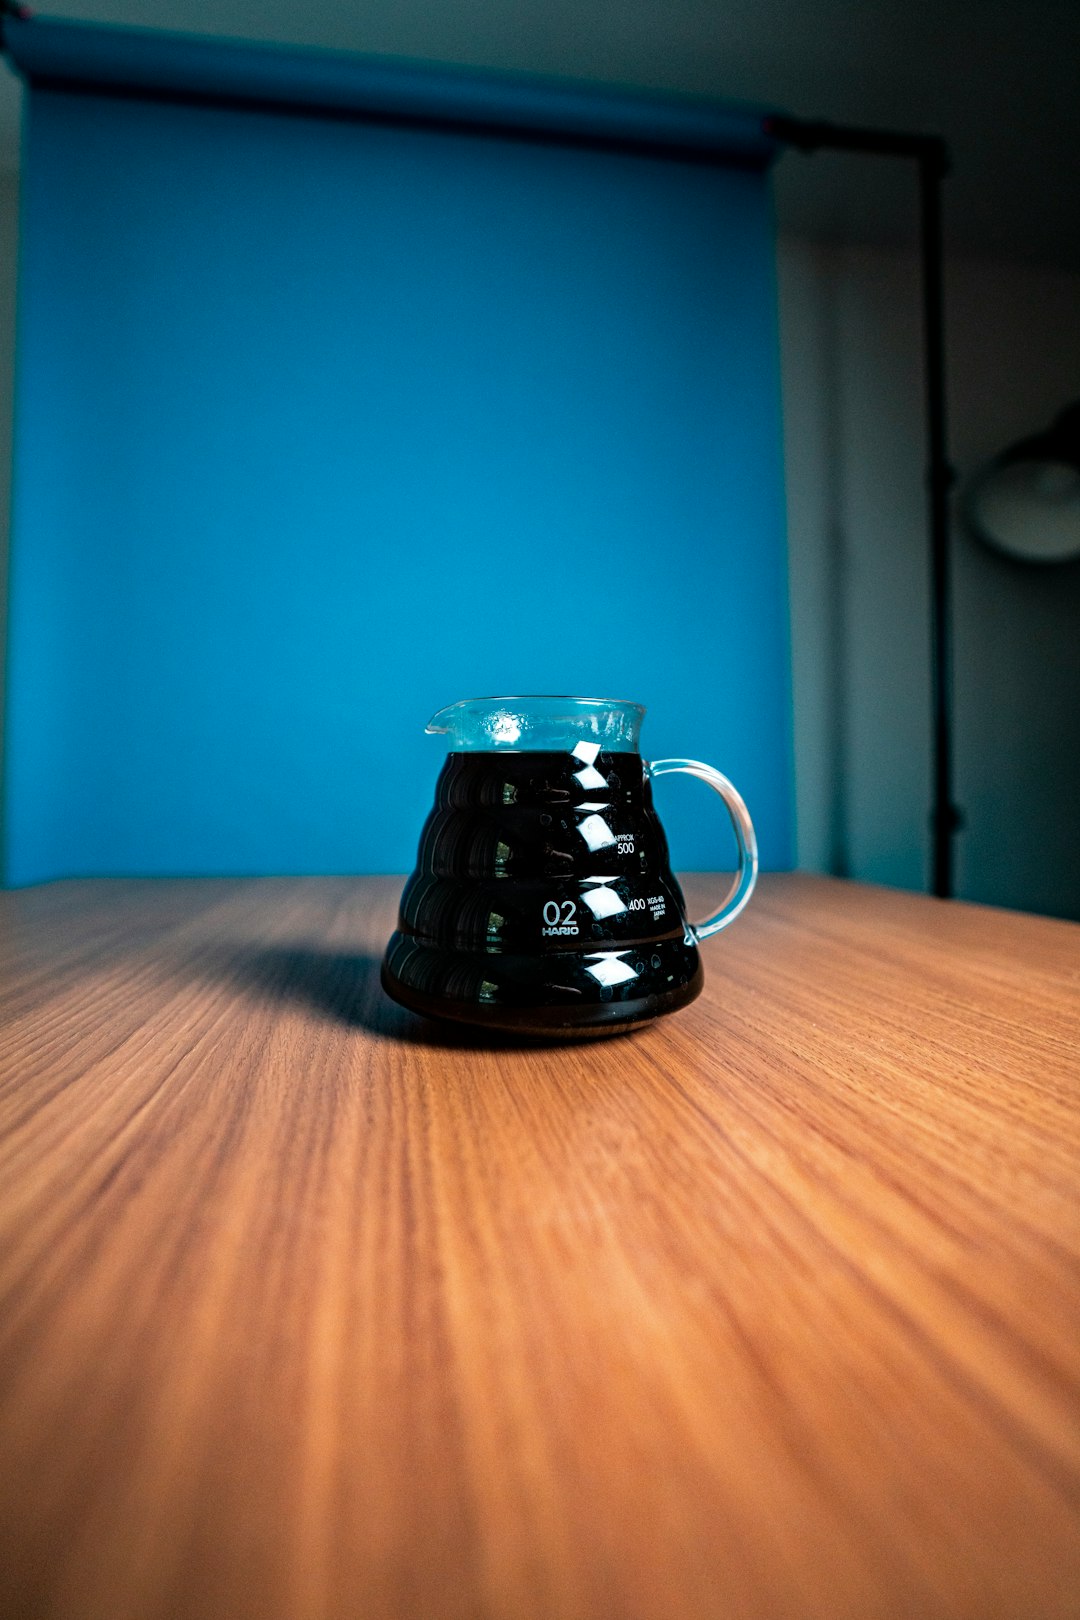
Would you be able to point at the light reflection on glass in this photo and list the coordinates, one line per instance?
(505, 727)
(596, 832)
(603, 902)
(588, 776)
(610, 969)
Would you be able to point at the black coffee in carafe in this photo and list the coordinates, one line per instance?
(543, 899)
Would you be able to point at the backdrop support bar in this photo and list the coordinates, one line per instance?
(150, 63)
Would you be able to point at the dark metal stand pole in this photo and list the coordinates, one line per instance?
(945, 816)
(931, 154)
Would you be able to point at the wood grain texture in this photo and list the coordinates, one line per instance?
(307, 1310)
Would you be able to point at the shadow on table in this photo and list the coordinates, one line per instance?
(344, 988)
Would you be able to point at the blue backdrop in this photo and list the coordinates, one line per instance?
(323, 424)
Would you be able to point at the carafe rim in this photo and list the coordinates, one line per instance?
(534, 697)
(540, 720)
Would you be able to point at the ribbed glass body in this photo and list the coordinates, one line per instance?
(543, 899)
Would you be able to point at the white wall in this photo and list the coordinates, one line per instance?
(850, 325)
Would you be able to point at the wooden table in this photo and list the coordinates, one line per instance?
(310, 1310)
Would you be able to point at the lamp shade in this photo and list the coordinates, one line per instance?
(1026, 502)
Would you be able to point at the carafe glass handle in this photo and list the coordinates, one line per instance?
(746, 876)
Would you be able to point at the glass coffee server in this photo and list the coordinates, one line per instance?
(543, 900)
